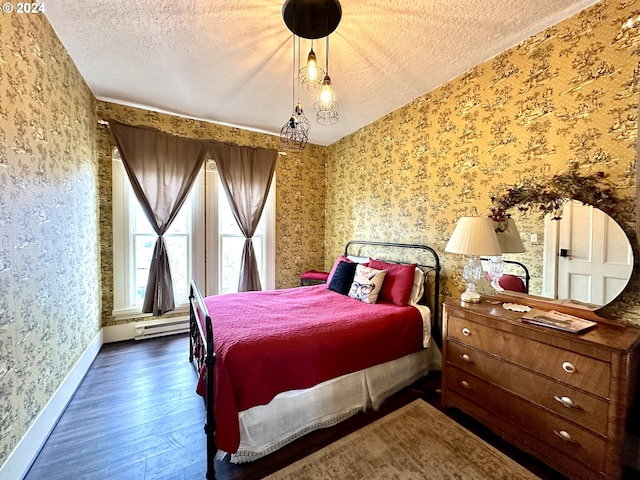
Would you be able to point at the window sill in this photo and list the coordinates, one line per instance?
(136, 313)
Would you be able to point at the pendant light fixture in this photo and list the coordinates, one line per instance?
(311, 75)
(295, 133)
(312, 18)
(326, 106)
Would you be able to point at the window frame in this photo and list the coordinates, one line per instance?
(211, 255)
(203, 225)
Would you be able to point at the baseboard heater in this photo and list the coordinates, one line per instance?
(160, 328)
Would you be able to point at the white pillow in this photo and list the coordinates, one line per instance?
(417, 290)
(367, 283)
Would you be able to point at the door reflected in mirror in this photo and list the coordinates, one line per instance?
(584, 259)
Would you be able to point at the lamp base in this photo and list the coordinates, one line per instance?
(471, 274)
(495, 269)
(470, 296)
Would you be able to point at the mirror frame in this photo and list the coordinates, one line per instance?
(548, 197)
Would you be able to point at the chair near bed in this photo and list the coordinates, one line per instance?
(202, 336)
(313, 277)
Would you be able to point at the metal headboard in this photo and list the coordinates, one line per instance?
(427, 269)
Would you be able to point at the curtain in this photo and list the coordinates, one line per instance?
(246, 175)
(161, 167)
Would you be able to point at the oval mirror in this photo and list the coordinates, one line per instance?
(583, 258)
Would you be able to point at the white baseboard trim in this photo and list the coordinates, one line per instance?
(20, 459)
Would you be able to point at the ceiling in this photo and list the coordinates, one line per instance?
(230, 61)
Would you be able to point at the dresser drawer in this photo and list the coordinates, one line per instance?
(577, 370)
(523, 440)
(563, 436)
(587, 410)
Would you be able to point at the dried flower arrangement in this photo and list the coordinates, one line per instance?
(548, 196)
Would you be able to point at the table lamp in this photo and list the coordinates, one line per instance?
(473, 236)
(510, 242)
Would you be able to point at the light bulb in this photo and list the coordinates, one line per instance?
(312, 68)
(313, 71)
(325, 96)
(326, 93)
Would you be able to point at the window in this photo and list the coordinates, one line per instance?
(204, 243)
(231, 244)
(223, 256)
(177, 239)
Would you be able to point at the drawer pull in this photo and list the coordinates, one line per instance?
(564, 436)
(466, 332)
(569, 367)
(465, 384)
(466, 358)
(567, 402)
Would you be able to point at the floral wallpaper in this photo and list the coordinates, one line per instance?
(49, 257)
(568, 95)
(300, 193)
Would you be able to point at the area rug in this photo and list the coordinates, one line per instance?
(415, 442)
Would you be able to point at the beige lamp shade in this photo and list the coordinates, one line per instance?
(510, 241)
(474, 236)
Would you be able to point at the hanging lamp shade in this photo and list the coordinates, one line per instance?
(312, 18)
(311, 75)
(295, 133)
(326, 106)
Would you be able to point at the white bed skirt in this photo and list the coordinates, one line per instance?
(290, 415)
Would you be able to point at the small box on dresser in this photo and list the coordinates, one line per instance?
(563, 397)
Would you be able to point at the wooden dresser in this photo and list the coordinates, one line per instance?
(564, 398)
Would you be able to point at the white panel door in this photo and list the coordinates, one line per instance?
(595, 258)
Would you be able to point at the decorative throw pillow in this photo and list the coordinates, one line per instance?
(341, 258)
(398, 281)
(417, 289)
(343, 277)
(367, 283)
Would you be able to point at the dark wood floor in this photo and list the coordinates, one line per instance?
(136, 416)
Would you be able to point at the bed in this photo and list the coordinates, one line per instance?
(336, 352)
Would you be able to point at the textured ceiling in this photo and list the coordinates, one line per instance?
(230, 61)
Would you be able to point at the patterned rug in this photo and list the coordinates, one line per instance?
(415, 442)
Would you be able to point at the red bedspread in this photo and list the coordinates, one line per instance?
(274, 341)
